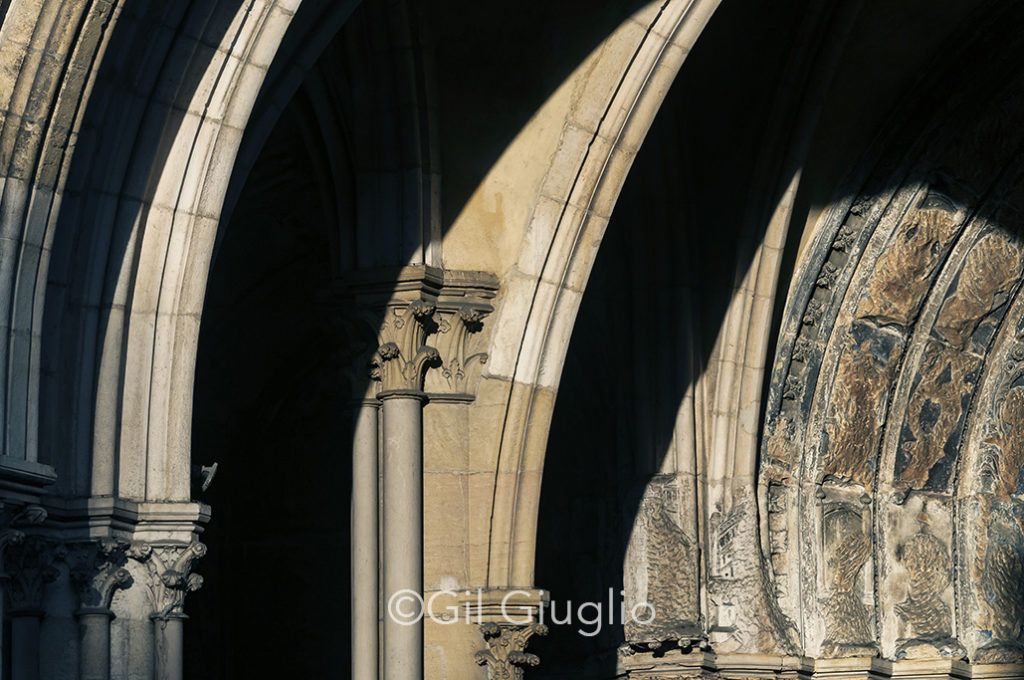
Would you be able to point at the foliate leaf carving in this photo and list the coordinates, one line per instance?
(844, 238)
(813, 313)
(97, 570)
(458, 341)
(505, 656)
(169, 576)
(403, 356)
(30, 567)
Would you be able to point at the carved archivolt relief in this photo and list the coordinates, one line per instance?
(1004, 462)
(853, 424)
(904, 272)
(899, 384)
(848, 630)
(662, 564)
(926, 560)
(934, 414)
(997, 573)
(990, 272)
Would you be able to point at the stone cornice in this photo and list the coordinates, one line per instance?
(23, 481)
(83, 519)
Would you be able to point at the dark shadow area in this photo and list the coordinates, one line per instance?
(270, 405)
(496, 64)
(660, 287)
(652, 311)
(273, 377)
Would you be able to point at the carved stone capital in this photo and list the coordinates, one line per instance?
(169, 577)
(29, 566)
(505, 657)
(97, 570)
(403, 355)
(10, 534)
(460, 342)
(417, 318)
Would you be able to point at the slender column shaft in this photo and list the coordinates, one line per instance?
(403, 534)
(170, 647)
(25, 646)
(364, 543)
(94, 644)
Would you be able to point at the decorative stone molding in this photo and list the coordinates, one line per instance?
(97, 570)
(688, 664)
(505, 656)
(502, 605)
(22, 483)
(29, 565)
(169, 578)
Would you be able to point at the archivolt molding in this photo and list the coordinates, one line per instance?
(886, 454)
(599, 141)
(116, 248)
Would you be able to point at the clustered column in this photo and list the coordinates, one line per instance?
(400, 313)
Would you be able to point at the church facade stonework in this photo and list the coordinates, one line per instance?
(456, 340)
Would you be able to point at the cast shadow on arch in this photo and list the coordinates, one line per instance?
(329, 194)
(654, 307)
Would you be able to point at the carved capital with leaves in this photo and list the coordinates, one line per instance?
(461, 344)
(29, 563)
(97, 570)
(403, 356)
(169, 575)
(505, 656)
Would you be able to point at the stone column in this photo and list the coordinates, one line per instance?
(401, 361)
(97, 571)
(365, 619)
(30, 568)
(403, 534)
(168, 581)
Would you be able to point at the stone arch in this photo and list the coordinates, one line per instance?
(891, 380)
(133, 240)
(532, 326)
